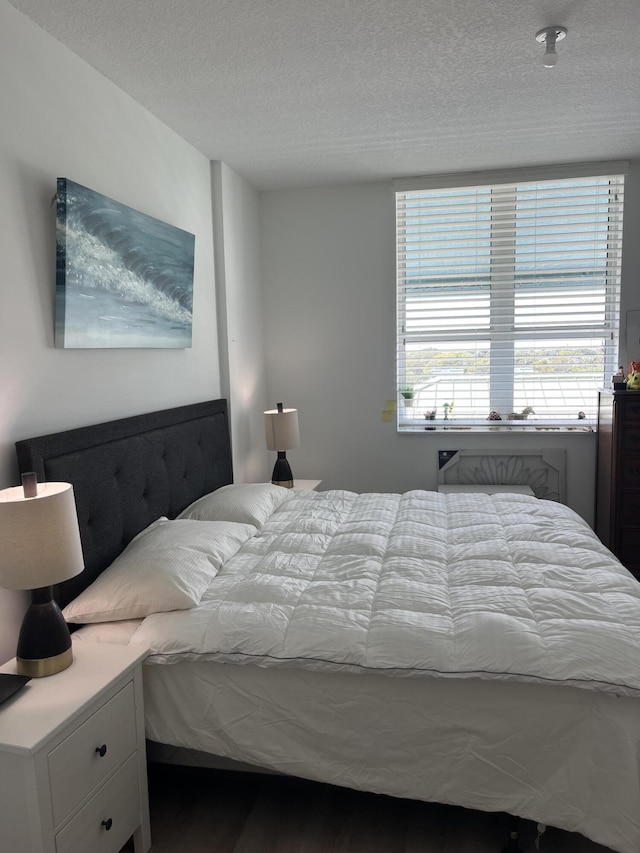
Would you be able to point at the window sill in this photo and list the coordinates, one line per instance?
(529, 426)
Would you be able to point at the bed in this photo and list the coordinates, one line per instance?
(475, 650)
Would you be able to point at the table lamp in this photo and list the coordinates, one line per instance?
(282, 433)
(40, 547)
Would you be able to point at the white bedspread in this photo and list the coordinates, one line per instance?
(420, 584)
(523, 606)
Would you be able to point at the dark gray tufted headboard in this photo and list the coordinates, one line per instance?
(129, 472)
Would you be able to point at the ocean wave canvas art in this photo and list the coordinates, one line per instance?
(123, 279)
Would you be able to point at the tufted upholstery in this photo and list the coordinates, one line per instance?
(127, 473)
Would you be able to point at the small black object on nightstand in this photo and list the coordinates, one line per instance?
(10, 684)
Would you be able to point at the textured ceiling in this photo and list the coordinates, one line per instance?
(307, 92)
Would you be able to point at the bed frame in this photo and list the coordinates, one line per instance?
(127, 473)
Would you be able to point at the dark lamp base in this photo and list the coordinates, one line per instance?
(282, 475)
(44, 645)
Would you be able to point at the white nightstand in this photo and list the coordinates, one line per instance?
(299, 485)
(73, 776)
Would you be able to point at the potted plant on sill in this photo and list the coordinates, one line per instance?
(406, 392)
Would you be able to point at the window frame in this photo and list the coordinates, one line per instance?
(502, 300)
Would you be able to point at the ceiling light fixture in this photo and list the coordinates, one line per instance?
(550, 36)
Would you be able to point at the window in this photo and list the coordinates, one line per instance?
(508, 295)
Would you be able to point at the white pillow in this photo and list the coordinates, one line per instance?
(246, 503)
(168, 566)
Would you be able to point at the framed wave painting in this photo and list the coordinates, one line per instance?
(123, 279)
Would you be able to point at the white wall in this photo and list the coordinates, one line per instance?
(240, 319)
(62, 118)
(329, 290)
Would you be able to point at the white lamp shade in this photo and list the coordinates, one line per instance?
(39, 536)
(281, 429)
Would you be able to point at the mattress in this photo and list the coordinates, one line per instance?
(559, 755)
(418, 585)
(466, 649)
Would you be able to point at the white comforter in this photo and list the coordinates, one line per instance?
(420, 584)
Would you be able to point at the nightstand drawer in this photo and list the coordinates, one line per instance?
(110, 817)
(84, 759)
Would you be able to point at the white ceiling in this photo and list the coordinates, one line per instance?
(307, 92)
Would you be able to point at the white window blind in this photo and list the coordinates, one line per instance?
(508, 299)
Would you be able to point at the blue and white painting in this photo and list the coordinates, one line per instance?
(123, 279)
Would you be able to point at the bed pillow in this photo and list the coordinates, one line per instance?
(245, 503)
(168, 566)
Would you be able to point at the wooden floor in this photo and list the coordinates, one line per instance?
(194, 810)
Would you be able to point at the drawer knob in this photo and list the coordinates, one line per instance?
(108, 823)
(102, 750)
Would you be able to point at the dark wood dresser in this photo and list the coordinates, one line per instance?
(618, 476)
